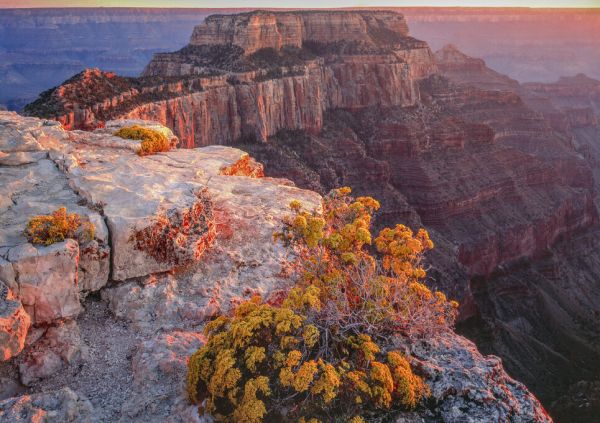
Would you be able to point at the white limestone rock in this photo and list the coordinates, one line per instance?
(468, 387)
(243, 260)
(46, 280)
(36, 186)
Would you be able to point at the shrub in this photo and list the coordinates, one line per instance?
(152, 140)
(324, 350)
(58, 226)
(381, 293)
(269, 363)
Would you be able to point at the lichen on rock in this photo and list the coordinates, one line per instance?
(179, 236)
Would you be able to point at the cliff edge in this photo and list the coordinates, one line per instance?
(121, 353)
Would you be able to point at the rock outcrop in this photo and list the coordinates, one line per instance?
(484, 388)
(254, 31)
(164, 307)
(14, 324)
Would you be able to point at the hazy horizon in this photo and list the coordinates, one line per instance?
(298, 4)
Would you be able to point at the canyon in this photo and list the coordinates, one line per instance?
(40, 48)
(504, 175)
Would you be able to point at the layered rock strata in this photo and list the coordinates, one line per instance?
(249, 76)
(261, 29)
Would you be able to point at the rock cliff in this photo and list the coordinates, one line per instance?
(249, 76)
(80, 362)
(254, 31)
(506, 179)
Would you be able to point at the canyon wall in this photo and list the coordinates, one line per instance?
(256, 30)
(203, 108)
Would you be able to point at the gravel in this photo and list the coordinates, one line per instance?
(105, 377)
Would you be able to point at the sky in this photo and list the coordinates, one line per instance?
(296, 3)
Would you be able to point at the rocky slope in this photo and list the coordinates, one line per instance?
(82, 362)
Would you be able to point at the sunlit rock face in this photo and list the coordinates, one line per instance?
(241, 79)
(14, 322)
(257, 30)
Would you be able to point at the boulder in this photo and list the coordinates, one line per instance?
(14, 324)
(160, 372)
(62, 406)
(468, 387)
(60, 346)
(46, 280)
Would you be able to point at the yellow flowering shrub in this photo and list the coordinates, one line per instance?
(152, 141)
(322, 352)
(245, 373)
(58, 226)
(384, 291)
